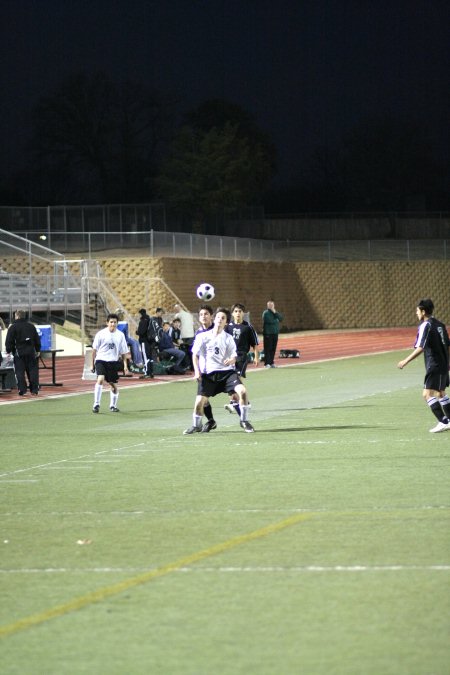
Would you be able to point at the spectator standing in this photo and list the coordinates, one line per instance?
(271, 329)
(148, 348)
(187, 330)
(24, 343)
(159, 316)
(187, 324)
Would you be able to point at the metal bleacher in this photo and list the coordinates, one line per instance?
(36, 278)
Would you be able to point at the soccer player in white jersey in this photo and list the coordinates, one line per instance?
(434, 343)
(205, 318)
(214, 356)
(108, 349)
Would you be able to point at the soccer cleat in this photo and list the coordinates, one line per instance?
(192, 430)
(113, 408)
(96, 409)
(230, 408)
(209, 426)
(440, 426)
(247, 427)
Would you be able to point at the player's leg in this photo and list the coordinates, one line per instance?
(113, 397)
(19, 372)
(233, 404)
(432, 393)
(98, 388)
(200, 402)
(32, 367)
(444, 401)
(210, 423)
(241, 391)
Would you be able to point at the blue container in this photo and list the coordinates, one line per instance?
(45, 333)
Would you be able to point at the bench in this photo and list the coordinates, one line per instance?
(4, 372)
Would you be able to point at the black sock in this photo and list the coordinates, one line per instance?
(208, 411)
(436, 409)
(237, 407)
(445, 405)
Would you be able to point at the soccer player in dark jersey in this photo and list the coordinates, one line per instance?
(246, 339)
(433, 341)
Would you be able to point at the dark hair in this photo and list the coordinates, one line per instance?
(225, 311)
(143, 312)
(208, 309)
(159, 309)
(112, 316)
(426, 304)
(238, 305)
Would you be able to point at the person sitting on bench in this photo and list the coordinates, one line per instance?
(166, 345)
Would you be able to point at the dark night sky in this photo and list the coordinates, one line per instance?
(306, 69)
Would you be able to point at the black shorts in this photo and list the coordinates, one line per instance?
(110, 369)
(218, 382)
(241, 364)
(436, 380)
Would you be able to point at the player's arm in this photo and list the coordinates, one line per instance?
(254, 342)
(411, 357)
(94, 354)
(195, 362)
(256, 353)
(231, 355)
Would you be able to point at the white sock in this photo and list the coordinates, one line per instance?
(98, 393)
(113, 399)
(197, 420)
(244, 413)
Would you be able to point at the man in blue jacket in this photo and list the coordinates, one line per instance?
(165, 344)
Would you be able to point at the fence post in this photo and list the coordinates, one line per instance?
(48, 227)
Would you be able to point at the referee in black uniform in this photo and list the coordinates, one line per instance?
(24, 343)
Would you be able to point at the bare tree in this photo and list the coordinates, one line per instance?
(101, 138)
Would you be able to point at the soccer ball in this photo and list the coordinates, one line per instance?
(205, 292)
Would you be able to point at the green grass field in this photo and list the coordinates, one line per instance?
(318, 545)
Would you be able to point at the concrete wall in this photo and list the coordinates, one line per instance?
(310, 295)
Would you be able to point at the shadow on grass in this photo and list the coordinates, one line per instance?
(319, 428)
